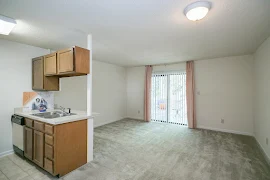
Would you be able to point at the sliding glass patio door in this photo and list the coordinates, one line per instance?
(168, 98)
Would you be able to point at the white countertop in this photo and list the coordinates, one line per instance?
(80, 115)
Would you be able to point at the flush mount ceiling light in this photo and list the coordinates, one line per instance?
(6, 25)
(198, 10)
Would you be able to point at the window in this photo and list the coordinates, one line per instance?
(168, 98)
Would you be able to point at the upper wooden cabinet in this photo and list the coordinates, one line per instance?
(73, 61)
(37, 76)
(50, 64)
(65, 61)
(41, 82)
(47, 69)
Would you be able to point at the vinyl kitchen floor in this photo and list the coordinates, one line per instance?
(136, 150)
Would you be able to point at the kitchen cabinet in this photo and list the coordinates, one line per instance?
(73, 61)
(49, 140)
(48, 165)
(28, 143)
(38, 148)
(59, 149)
(47, 69)
(28, 122)
(48, 129)
(49, 151)
(50, 64)
(39, 80)
(65, 61)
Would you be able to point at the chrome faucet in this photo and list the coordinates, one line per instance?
(64, 112)
(62, 109)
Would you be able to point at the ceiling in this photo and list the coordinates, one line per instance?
(133, 33)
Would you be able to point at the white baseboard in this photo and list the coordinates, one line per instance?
(108, 122)
(101, 124)
(263, 151)
(2, 154)
(135, 118)
(226, 130)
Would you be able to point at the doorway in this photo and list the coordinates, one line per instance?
(168, 98)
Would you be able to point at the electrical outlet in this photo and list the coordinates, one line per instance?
(222, 121)
(266, 141)
(139, 112)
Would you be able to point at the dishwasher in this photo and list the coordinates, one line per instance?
(17, 134)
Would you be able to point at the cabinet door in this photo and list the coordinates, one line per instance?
(49, 152)
(37, 75)
(82, 60)
(38, 148)
(28, 143)
(65, 61)
(50, 64)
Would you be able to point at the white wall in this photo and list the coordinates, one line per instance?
(225, 86)
(16, 77)
(170, 67)
(73, 93)
(135, 92)
(224, 90)
(109, 93)
(262, 96)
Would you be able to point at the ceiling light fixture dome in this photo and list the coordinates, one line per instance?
(198, 10)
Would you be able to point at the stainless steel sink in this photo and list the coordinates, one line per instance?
(52, 115)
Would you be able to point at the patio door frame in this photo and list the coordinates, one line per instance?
(168, 108)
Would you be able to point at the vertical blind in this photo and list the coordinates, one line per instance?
(168, 98)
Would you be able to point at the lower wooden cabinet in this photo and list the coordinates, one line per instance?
(28, 122)
(58, 149)
(49, 151)
(28, 143)
(48, 165)
(48, 129)
(49, 139)
(39, 126)
(38, 148)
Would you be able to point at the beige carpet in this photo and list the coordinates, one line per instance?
(136, 150)
(131, 149)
